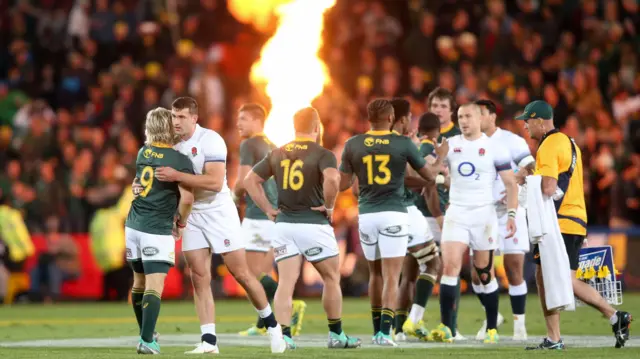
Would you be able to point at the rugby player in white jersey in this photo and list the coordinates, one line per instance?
(471, 219)
(514, 248)
(213, 226)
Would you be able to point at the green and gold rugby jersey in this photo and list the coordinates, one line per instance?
(427, 148)
(449, 131)
(154, 209)
(297, 168)
(252, 151)
(379, 160)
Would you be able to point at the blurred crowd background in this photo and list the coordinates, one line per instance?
(77, 78)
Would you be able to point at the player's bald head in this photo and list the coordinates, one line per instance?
(306, 120)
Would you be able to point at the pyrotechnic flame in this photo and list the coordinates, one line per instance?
(289, 64)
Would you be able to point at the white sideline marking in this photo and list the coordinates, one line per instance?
(310, 341)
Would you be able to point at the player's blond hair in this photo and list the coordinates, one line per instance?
(158, 127)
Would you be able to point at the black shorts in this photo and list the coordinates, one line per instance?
(572, 243)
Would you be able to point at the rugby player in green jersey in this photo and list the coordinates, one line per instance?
(258, 229)
(442, 103)
(378, 159)
(308, 183)
(155, 222)
(420, 269)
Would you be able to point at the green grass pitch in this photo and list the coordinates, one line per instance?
(42, 326)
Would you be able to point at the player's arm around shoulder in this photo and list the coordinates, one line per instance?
(253, 181)
(214, 169)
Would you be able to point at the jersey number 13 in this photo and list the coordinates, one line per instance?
(383, 174)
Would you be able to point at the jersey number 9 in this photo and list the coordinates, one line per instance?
(146, 180)
(383, 175)
(292, 176)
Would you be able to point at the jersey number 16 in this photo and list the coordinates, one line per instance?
(292, 176)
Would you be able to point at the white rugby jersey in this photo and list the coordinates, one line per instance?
(473, 166)
(205, 146)
(518, 152)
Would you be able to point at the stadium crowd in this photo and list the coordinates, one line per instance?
(77, 78)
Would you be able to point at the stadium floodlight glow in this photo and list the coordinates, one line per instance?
(289, 68)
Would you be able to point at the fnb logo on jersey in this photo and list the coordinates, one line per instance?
(148, 153)
(294, 146)
(370, 141)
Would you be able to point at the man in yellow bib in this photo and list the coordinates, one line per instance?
(559, 162)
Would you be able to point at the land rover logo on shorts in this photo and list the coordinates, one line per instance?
(227, 243)
(394, 229)
(150, 251)
(279, 251)
(313, 251)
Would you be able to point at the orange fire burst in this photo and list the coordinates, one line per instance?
(289, 65)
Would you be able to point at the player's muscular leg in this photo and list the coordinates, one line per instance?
(260, 262)
(236, 262)
(138, 281)
(375, 292)
(289, 270)
(199, 261)
(155, 282)
(452, 254)
(514, 266)
(391, 268)
(590, 296)
(552, 319)
(329, 270)
(375, 283)
(410, 272)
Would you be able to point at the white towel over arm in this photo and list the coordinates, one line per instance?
(544, 231)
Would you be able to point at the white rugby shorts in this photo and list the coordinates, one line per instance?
(216, 228)
(315, 242)
(149, 247)
(519, 243)
(384, 234)
(258, 234)
(419, 231)
(477, 227)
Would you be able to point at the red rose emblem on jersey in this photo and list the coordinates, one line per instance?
(194, 151)
(457, 150)
(481, 152)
